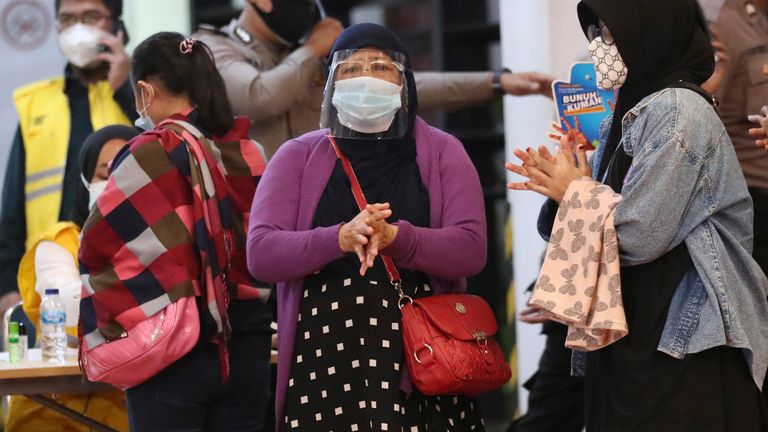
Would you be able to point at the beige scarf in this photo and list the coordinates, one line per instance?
(580, 281)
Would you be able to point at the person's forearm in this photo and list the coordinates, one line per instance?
(449, 91)
(273, 92)
(454, 252)
(279, 256)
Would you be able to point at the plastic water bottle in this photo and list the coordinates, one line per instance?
(53, 318)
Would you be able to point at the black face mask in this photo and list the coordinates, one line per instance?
(290, 19)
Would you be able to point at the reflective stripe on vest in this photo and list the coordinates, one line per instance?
(44, 118)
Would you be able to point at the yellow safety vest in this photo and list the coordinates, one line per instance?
(44, 119)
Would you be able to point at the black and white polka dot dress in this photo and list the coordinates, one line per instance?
(348, 361)
(348, 355)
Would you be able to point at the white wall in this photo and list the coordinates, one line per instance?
(147, 17)
(542, 35)
(31, 24)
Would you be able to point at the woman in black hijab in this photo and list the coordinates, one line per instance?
(695, 301)
(97, 152)
(668, 47)
(342, 365)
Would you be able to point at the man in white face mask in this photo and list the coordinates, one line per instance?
(55, 117)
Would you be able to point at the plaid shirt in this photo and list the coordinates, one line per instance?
(153, 237)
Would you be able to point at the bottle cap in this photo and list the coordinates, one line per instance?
(14, 328)
(51, 291)
(22, 329)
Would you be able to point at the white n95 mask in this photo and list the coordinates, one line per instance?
(366, 104)
(80, 44)
(610, 67)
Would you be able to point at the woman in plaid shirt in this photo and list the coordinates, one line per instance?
(171, 224)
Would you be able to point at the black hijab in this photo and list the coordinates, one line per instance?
(89, 155)
(664, 43)
(378, 158)
(386, 168)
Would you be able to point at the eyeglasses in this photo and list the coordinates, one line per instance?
(595, 30)
(377, 68)
(90, 18)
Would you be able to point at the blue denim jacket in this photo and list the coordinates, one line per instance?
(685, 185)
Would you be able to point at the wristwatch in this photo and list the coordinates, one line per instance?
(496, 81)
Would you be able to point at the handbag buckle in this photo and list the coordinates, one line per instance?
(482, 340)
(403, 299)
(416, 354)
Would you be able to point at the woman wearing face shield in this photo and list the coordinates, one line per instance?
(341, 363)
(51, 262)
(695, 301)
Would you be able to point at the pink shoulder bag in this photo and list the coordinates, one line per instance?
(156, 342)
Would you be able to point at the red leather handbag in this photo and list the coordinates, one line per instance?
(447, 338)
(449, 345)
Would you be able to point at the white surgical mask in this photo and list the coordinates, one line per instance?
(366, 104)
(143, 122)
(80, 44)
(94, 190)
(610, 67)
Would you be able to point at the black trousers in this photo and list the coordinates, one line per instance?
(190, 396)
(760, 252)
(556, 399)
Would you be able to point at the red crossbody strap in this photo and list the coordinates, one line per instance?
(357, 191)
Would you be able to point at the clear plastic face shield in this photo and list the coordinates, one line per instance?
(366, 96)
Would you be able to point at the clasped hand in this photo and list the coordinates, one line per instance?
(367, 234)
(546, 174)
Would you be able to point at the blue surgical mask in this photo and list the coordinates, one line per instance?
(366, 104)
(143, 122)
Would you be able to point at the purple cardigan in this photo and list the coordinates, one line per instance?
(283, 247)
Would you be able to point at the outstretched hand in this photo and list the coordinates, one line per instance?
(547, 175)
(569, 136)
(760, 134)
(527, 84)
